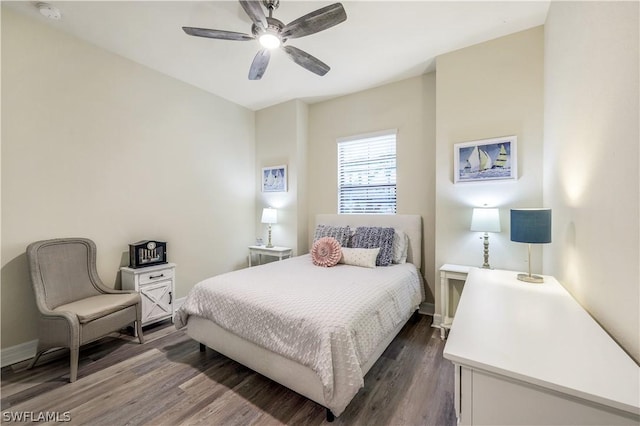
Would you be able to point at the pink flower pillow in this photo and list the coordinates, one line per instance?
(326, 251)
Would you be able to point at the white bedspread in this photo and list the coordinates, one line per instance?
(328, 319)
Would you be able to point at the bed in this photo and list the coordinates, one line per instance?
(314, 330)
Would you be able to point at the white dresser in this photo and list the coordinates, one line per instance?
(156, 285)
(530, 354)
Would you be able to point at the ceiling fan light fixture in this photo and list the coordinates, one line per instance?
(269, 40)
(272, 34)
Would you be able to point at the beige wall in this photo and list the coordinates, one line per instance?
(488, 90)
(90, 139)
(95, 145)
(591, 146)
(408, 106)
(281, 138)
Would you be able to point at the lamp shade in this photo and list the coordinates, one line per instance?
(485, 220)
(269, 215)
(531, 226)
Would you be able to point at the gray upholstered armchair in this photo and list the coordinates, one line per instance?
(75, 306)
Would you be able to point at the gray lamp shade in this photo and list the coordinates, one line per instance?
(531, 226)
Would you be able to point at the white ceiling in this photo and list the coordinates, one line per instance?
(380, 42)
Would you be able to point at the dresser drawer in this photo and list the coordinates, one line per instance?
(157, 275)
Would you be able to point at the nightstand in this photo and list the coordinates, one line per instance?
(449, 272)
(156, 285)
(279, 252)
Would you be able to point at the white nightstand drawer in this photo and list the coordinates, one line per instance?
(157, 275)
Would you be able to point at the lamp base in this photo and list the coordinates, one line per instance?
(269, 245)
(486, 265)
(536, 279)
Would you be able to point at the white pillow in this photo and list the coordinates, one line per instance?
(400, 246)
(360, 256)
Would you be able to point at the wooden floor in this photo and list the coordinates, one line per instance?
(168, 381)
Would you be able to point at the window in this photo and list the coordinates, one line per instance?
(367, 173)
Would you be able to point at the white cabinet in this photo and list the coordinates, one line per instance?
(493, 399)
(156, 285)
(530, 354)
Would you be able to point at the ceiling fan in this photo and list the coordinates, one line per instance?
(272, 34)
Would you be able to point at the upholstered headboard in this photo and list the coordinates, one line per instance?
(410, 224)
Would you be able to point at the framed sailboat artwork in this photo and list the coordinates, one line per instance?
(274, 179)
(485, 160)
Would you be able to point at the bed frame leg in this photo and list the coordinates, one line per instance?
(203, 348)
(330, 416)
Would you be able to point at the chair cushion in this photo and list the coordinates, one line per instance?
(94, 307)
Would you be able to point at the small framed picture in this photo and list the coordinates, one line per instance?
(274, 179)
(485, 160)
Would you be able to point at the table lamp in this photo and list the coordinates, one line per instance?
(486, 220)
(269, 216)
(531, 226)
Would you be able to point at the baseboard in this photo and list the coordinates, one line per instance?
(18, 353)
(427, 308)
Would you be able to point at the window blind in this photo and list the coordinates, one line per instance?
(367, 174)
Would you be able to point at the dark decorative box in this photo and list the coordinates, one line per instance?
(147, 253)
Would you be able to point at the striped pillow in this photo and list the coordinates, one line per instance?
(340, 233)
(372, 237)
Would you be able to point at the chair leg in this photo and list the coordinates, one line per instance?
(139, 332)
(35, 359)
(74, 364)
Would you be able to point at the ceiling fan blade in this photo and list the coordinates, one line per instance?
(259, 64)
(306, 61)
(219, 34)
(255, 12)
(313, 22)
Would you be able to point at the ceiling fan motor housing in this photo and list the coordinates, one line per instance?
(273, 25)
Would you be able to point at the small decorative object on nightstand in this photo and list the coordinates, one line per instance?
(269, 216)
(156, 285)
(485, 220)
(279, 252)
(147, 253)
